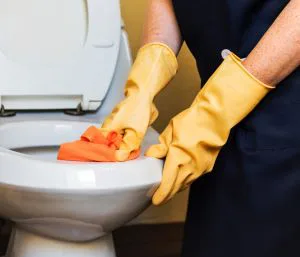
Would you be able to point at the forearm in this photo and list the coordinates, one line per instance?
(161, 25)
(277, 54)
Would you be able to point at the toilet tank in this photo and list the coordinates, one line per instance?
(57, 54)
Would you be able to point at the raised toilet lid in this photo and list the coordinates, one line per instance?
(57, 54)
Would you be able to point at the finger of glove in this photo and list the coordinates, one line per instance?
(161, 150)
(105, 131)
(187, 183)
(130, 143)
(184, 174)
(169, 176)
(157, 151)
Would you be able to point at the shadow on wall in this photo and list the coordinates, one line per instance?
(176, 97)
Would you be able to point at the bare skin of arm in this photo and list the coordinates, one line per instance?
(277, 54)
(161, 25)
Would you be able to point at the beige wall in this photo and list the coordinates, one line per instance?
(177, 96)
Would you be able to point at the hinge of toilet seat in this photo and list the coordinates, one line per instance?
(4, 113)
(77, 112)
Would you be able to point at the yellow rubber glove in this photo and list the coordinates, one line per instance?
(154, 66)
(193, 139)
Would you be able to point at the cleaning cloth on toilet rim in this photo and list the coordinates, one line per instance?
(94, 146)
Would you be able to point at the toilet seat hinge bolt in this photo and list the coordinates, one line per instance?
(4, 113)
(77, 112)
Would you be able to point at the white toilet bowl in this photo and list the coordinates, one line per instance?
(67, 208)
(57, 56)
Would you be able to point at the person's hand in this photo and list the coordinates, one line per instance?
(153, 68)
(193, 139)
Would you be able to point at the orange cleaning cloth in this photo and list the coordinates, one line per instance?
(93, 146)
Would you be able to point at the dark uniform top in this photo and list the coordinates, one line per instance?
(249, 206)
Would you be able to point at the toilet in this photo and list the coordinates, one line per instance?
(63, 67)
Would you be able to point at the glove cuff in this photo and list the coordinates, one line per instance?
(172, 59)
(238, 61)
(153, 68)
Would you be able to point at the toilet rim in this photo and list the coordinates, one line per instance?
(28, 172)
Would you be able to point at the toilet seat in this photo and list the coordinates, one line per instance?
(34, 172)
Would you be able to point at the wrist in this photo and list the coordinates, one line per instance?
(257, 68)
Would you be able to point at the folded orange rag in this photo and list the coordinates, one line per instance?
(93, 146)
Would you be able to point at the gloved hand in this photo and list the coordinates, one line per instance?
(154, 67)
(193, 139)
